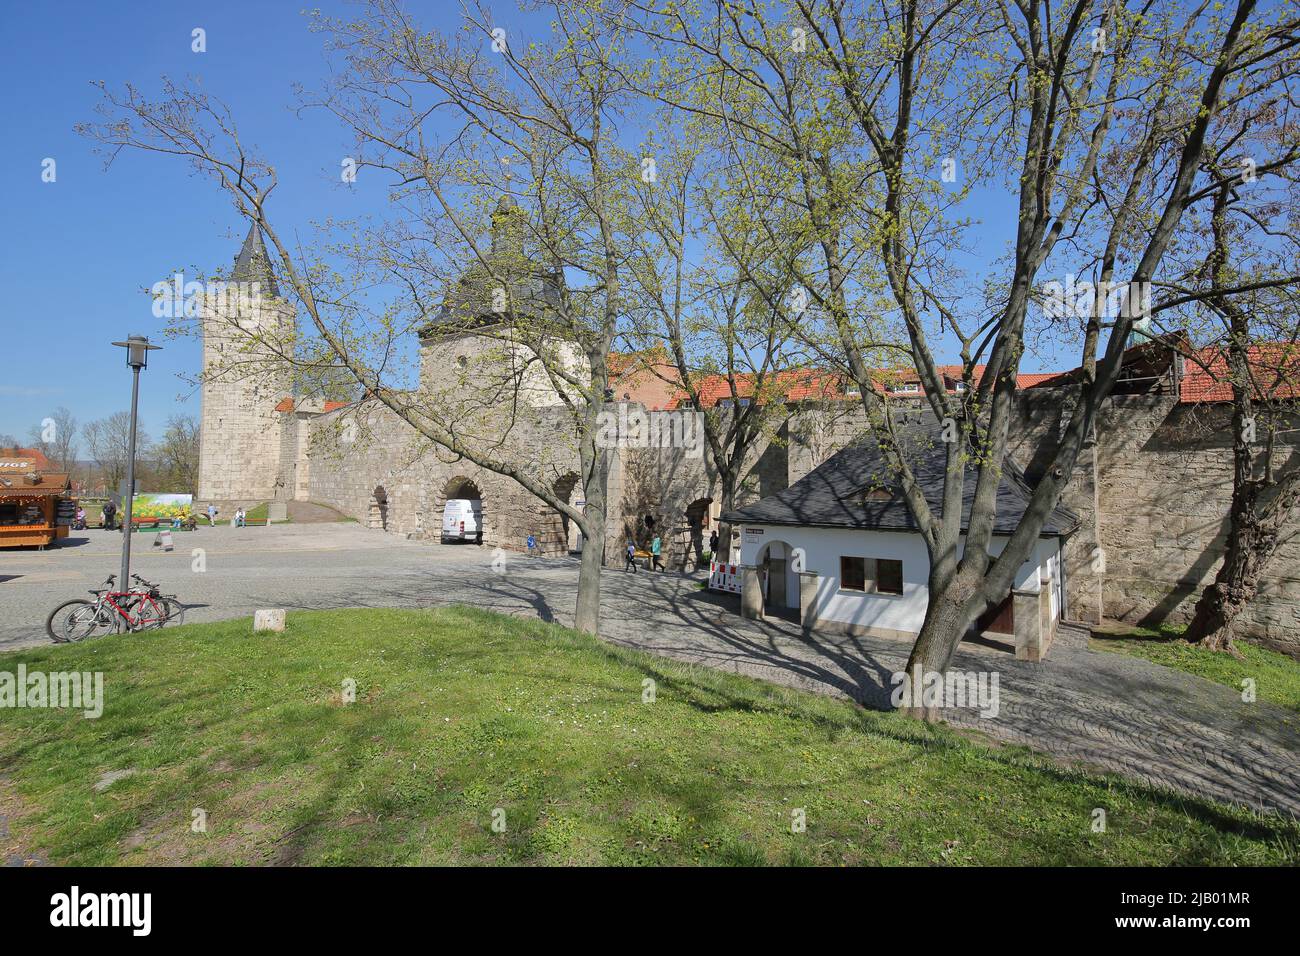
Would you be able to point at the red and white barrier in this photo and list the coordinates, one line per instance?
(724, 577)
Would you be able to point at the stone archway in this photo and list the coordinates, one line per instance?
(693, 538)
(464, 487)
(377, 517)
(559, 535)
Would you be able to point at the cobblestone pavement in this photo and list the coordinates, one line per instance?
(1104, 710)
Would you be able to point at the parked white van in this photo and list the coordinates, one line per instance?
(462, 520)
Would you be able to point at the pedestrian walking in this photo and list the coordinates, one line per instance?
(212, 515)
(656, 547)
(631, 558)
(713, 544)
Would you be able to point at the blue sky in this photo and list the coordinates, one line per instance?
(81, 252)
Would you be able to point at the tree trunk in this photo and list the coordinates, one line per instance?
(1253, 537)
(586, 617)
(595, 493)
(1254, 523)
(941, 631)
(724, 527)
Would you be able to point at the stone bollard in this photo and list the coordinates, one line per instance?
(269, 620)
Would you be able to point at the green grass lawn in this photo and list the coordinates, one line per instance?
(1276, 676)
(461, 714)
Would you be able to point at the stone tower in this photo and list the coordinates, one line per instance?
(469, 350)
(240, 431)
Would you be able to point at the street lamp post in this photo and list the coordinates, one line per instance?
(137, 357)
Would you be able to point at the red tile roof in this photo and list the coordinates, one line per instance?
(1274, 368)
(792, 386)
(620, 363)
(1030, 379)
(805, 384)
(289, 404)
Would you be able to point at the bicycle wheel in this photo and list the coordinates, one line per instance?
(75, 621)
(174, 609)
(146, 615)
(54, 622)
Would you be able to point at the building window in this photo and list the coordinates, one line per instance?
(853, 574)
(889, 576)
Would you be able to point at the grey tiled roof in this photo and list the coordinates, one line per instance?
(532, 291)
(856, 489)
(468, 303)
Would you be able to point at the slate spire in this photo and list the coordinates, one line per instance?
(253, 264)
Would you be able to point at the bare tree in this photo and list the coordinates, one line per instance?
(1242, 333)
(731, 353)
(1095, 118)
(56, 437)
(176, 455)
(109, 443)
(534, 140)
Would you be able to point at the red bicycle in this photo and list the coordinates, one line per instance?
(141, 608)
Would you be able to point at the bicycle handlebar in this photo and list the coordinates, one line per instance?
(112, 579)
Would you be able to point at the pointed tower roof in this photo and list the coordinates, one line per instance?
(507, 229)
(533, 288)
(253, 264)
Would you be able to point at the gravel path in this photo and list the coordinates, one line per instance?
(1105, 710)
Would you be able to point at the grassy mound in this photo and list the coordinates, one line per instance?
(402, 737)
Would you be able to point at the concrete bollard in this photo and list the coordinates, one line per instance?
(269, 620)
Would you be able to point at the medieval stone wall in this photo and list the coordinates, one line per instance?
(1165, 487)
(1040, 419)
(1152, 488)
(674, 486)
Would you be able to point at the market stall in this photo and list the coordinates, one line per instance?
(35, 509)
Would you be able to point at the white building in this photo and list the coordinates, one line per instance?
(840, 551)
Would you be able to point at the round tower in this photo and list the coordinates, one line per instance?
(478, 350)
